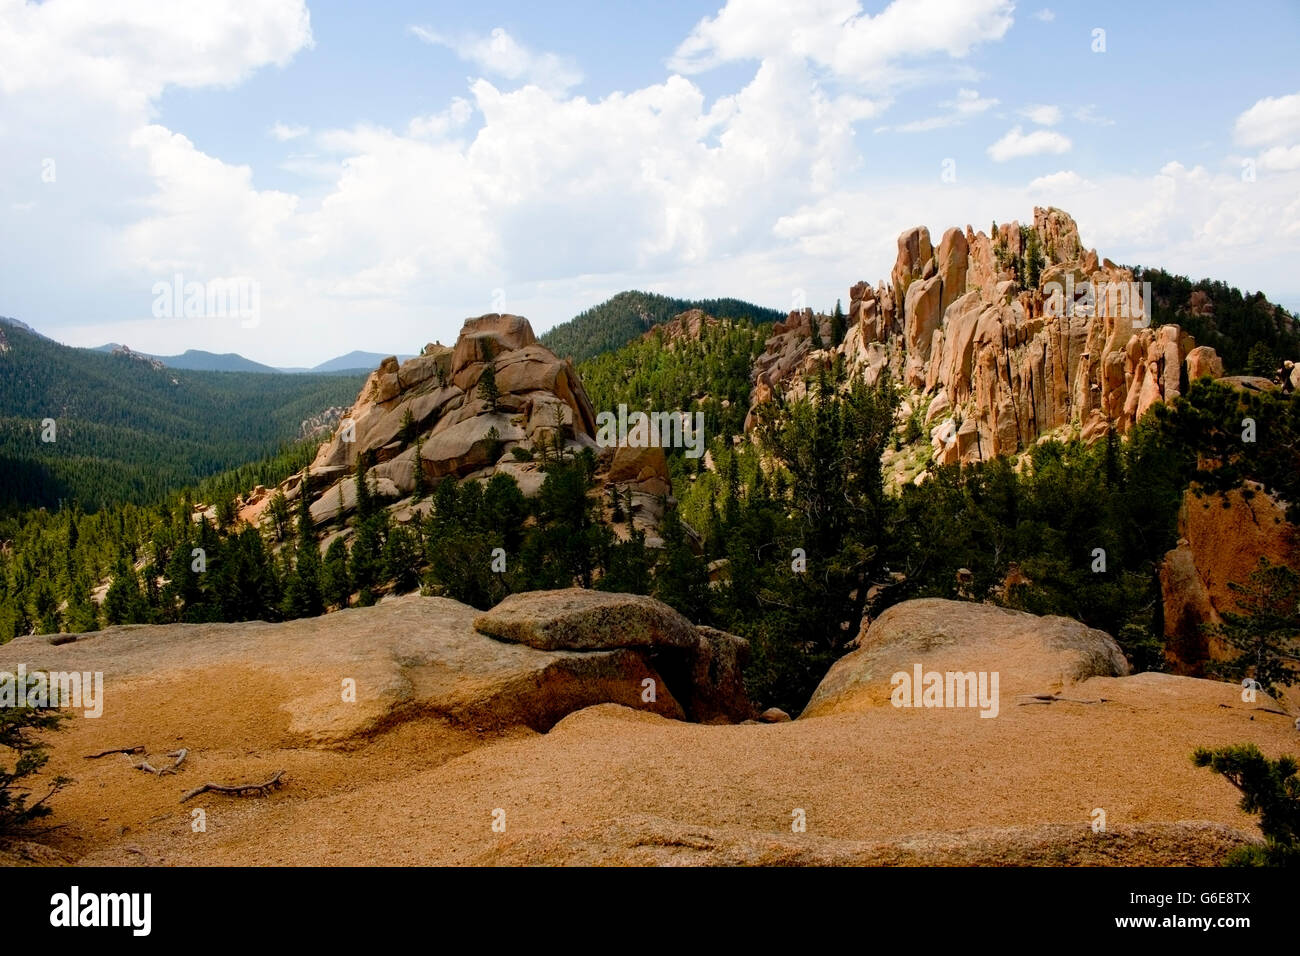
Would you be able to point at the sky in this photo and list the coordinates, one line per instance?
(367, 176)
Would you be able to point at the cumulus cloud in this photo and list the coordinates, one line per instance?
(1017, 144)
(520, 188)
(1065, 179)
(500, 54)
(129, 51)
(1045, 15)
(1271, 119)
(1280, 158)
(837, 35)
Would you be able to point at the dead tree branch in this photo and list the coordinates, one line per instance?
(238, 789)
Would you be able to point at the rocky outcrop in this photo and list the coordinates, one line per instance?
(703, 666)
(430, 413)
(997, 360)
(421, 655)
(1029, 654)
(1221, 539)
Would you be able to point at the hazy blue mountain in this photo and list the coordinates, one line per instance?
(127, 428)
(354, 362)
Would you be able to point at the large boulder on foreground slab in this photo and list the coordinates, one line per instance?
(580, 620)
(703, 665)
(1030, 654)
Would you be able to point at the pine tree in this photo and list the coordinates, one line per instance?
(279, 512)
(1270, 788)
(336, 586)
(487, 386)
(23, 731)
(1263, 628)
(681, 578)
(303, 597)
(838, 325)
(124, 604)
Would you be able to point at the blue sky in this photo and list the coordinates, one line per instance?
(381, 172)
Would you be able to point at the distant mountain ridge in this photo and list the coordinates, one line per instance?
(100, 428)
(197, 360)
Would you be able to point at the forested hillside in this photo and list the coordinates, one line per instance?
(628, 315)
(1250, 334)
(710, 373)
(127, 431)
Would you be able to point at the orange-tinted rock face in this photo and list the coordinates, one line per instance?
(435, 397)
(1221, 540)
(1007, 362)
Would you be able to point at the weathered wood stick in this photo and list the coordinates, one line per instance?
(115, 750)
(239, 789)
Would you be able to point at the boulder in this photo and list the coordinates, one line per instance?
(702, 666)
(578, 619)
(528, 475)
(434, 363)
(1203, 362)
(493, 334)
(1030, 654)
(341, 499)
(638, 464)
(468, 444)
(717, 689)
(398, 471)
(411, 655)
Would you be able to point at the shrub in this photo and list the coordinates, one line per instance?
(1269, 788)
(18, 727)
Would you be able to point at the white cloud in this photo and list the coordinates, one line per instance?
(1016, 144)
(839, 36)
(1065, 179)
(1041, 114)
(284, 133)
(502, 55)
(558, 200)
(1280, 158)
(1271, 119)
(126, 52)
(1045, 15)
